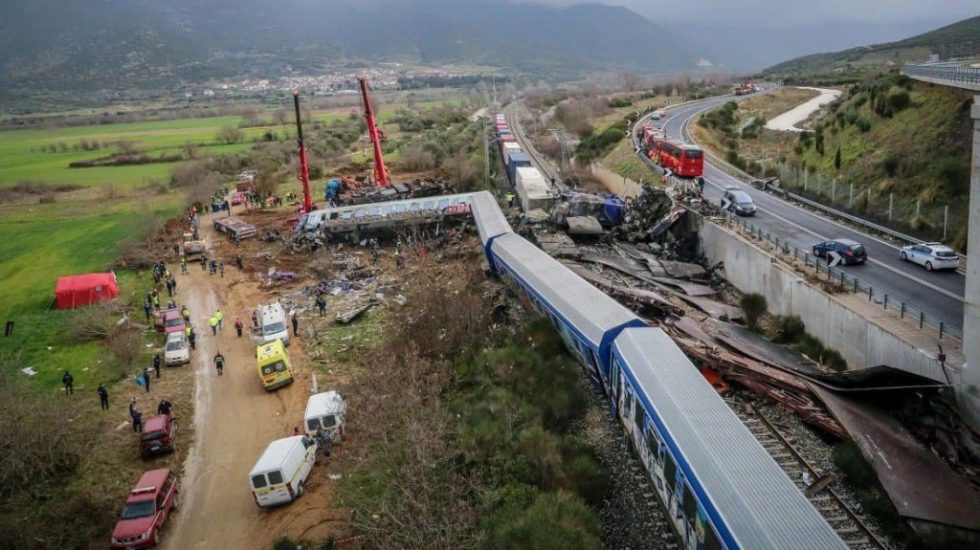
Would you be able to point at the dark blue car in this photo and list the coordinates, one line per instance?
(850, 251)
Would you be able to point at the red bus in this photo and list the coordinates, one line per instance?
(686, 161)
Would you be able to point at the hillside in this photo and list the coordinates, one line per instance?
(903, 144)
(956, 40)
(118, 44)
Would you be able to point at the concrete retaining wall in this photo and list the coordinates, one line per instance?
(860, 340)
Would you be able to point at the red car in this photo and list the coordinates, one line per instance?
(147, 508)
(159, 435)
(173, 321)
(237, 198)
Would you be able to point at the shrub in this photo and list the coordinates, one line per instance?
(813, 348)
(552, 521)
(890, 165)
(898, 100)
(954, 175)
(863, 124)
(229, 135)
(787, 329)
(754, 305)
(620, 102)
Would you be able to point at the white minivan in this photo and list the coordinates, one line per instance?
(325, 411)
(280, 473)
(272, 323)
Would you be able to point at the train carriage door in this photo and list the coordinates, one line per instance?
(615, 389)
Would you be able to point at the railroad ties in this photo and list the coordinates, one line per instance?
(844, 520)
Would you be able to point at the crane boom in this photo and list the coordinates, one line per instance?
(304, 167)
(380, 170)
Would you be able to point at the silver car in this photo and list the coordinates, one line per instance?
(931, 256)
(177, 351)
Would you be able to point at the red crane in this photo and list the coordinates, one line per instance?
(304, 167)
(380, 171)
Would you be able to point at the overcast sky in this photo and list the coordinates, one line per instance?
(793, 13)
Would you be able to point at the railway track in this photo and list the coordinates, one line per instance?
(539, 161)
(842, 518)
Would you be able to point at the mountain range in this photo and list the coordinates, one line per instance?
(960, 39)
(94, 44)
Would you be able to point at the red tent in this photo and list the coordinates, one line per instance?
(82, 290)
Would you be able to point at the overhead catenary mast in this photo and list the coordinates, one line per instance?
(381, 177)
(304, 167)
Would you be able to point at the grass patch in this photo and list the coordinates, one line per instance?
(624, 161)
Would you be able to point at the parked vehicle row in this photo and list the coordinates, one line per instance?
(279, 475)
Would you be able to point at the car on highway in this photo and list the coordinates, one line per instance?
(177, 350)
(147, 508)
(850, 251)
(737, 202)
(931, 256)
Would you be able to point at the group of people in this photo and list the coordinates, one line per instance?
(165, 407)
(216, 322)
(213, 266)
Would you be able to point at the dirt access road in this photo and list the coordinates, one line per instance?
(235, 418)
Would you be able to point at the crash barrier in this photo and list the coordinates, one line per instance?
(954, 74)
(833, 274)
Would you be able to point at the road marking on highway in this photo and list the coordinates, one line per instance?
(870, 260)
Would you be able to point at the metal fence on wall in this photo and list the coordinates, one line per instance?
(833, 275)
(929, 220)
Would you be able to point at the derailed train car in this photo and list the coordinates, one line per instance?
(720, 487)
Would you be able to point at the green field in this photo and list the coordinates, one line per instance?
(83, 230)
(22, 158)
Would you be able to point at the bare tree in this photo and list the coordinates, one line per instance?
(629, 80)
(229, 135)
(280, 116)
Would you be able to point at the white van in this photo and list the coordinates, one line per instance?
(273, 324)
(281, 471)
(325, 411)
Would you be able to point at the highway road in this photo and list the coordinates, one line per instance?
(937, 293)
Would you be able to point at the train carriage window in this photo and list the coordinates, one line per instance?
(615, 375)
(639, 415)
(653, 443)
(690, 504)
(629, 402)
(670, 473)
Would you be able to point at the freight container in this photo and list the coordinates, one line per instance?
(516, 159)
(533, 189)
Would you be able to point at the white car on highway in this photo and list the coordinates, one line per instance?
(177, 351)
(931, 256)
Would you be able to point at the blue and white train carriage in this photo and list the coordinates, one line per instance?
(586, 322)
(721, 488)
